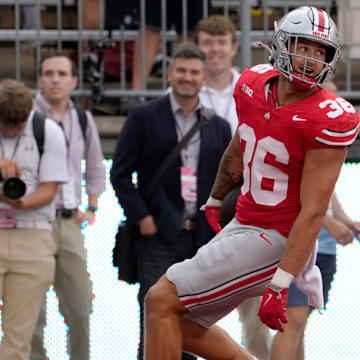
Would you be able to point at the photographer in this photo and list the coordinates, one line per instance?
(27, 248)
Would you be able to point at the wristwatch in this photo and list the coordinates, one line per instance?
(92, 209)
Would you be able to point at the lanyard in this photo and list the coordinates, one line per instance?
(193, 140)
(15, 148)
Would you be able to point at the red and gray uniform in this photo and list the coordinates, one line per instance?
(240, 261)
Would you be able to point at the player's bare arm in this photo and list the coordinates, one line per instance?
(230, 169)
(321, 171)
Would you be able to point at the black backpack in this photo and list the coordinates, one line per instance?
(39, 126)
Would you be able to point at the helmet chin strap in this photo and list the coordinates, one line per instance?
(298, 83)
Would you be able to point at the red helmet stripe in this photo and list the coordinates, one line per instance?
(321, 21)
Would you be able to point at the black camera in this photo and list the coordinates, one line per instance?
(13, 188)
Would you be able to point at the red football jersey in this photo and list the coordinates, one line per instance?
(274, 142)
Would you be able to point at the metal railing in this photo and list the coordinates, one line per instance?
(243, 10)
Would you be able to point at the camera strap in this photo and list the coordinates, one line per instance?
(204, 116)
(14, 150)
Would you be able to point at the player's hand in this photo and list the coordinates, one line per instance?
(212, 212)
(272, 308)
(213, 217)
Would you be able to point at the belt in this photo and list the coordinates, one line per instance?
(65, 213)
(188, 224)
(33, 224)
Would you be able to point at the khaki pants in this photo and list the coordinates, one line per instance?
(73, 288)
(256, 335)
(27, 264)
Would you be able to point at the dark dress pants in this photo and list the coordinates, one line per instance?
(155, 255)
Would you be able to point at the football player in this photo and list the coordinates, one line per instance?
(289, 148)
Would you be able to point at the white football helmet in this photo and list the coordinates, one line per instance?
(308, 23)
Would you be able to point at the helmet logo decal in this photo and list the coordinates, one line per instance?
(321, 25)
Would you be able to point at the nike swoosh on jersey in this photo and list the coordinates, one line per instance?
(268, 299)
(297, 118)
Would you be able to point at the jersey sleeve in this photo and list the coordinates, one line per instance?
(250, 82)
(336, 125)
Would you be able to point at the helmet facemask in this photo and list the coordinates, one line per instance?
(302, 23)
(282, 60)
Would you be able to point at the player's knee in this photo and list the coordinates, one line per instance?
(155, 299)
(151, 299)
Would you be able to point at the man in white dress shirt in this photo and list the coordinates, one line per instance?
(216, 37)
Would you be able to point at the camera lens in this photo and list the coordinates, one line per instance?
(14, 188)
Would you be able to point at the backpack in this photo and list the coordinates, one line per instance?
(39, 126)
